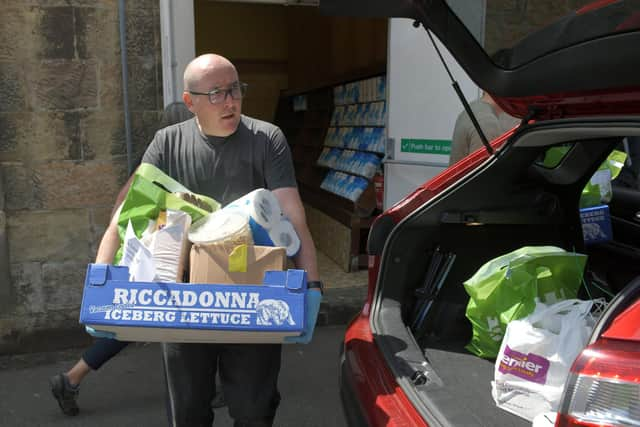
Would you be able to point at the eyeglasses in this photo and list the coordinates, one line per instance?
(218, 96)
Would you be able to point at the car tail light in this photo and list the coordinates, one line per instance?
(603, 388)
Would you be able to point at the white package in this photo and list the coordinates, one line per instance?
(260, 205)
(284, 235)
(169, 247)
(138, 257)
(158, 256)
(221, 225)
(536, 354)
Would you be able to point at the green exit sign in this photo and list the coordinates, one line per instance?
(426, 146)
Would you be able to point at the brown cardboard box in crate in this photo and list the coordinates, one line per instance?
(224, 263)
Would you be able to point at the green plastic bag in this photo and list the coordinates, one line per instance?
(598, 190)
(151, 192)
(554, 155)
(506, 289)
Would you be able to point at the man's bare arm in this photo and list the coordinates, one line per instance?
(110, 239)
(291, 205)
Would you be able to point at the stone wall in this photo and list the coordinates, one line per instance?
(62, 147)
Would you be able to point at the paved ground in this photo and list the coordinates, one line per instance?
(129, 391)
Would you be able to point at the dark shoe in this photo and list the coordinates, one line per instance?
(218, 401)
(65, 394)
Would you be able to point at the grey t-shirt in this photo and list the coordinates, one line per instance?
(465, 136)
(255, 156)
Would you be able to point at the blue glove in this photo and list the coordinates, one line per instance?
(100, 334)
(312, 301)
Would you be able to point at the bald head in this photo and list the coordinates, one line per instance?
(203, 75)
(207, 65)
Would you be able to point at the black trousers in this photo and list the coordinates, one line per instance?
(248, 374)
(101, 351)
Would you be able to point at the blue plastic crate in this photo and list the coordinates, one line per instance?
(187, 312)
(596, 224)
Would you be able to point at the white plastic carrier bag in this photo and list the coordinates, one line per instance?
(536, 354)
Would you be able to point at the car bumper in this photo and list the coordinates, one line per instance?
(370, 394)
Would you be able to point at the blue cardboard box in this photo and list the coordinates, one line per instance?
(187, 312)
(596, 224)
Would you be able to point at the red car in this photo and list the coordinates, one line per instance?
(575, 83)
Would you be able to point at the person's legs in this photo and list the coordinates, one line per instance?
(101, 352)
(77, 372)
(189, 372)
(65, 386)
(249, 376)
(65, 393)
(218, 400)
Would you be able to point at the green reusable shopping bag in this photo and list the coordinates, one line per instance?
(506, 288)
(554, 155)
(151, 192)
(598, 190)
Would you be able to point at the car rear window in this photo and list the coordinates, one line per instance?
(518, 31)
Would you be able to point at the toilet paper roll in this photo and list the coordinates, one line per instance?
(260, 234)
(222, 226)
(261, 205)
(283, 234)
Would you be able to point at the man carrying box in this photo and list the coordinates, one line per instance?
(224, 155)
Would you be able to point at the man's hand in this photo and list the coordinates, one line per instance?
(312, 300)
